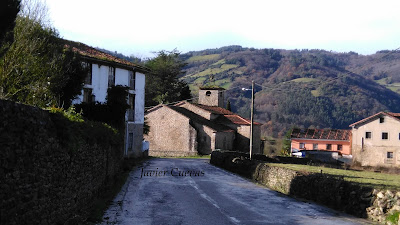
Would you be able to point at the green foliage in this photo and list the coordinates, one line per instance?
(73, 132)
(228, 105)
(117, 98)
(36, 69)
(203, 58)
(286, 146)
(68, 78)
(364, 178)
(163, 84)
(70, 113)
(113, 112)
(393, 218)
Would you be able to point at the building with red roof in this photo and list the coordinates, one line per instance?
(198, 128)
(332, 140)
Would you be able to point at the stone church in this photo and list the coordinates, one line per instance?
(186, 128)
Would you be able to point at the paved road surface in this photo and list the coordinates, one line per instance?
(159, 193)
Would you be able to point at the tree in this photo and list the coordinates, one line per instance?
(67, 81)
(8, 13)
(287, 143)
(228, 105)
(163, 84)
(36, 69)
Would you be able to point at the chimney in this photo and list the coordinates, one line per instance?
(211, 96)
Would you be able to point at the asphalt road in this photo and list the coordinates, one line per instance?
(191, 191)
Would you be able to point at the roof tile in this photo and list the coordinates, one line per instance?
(324, 134)
(91, 52)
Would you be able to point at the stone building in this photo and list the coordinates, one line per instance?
(189, 129)
(376, 140)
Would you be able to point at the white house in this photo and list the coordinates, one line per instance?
(376, 140)
(106, 71)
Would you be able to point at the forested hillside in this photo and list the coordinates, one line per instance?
(304, 88)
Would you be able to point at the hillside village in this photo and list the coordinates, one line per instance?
(75, 117)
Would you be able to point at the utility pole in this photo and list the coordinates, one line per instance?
(251, 118)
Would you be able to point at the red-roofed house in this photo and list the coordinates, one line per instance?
(106, 71)
(376, 140)
(332, 140)
(189, 129)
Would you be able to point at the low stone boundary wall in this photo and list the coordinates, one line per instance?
(332, 191)
(51, 173)
(161, 153)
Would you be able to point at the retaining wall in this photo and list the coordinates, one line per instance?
(332, 191)
(48, 173)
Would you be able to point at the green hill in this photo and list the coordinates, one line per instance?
(304, 88)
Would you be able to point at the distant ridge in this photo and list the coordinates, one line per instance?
(303, 88)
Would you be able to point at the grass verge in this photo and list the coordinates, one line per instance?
(393, 218)
(364, 178)
(190, 157)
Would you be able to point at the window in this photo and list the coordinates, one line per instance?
(132, 77)
(111, 76)
(362, 144)
(88, 78)
(315, 146)
(339, 147)
(131, 110)
(302, 146)
(368, 135)
(389, 155)
(130, 141)
(381, 120)
(132, 101)
(328, 146)
(87, 95)
(208, 93)
(385, 136)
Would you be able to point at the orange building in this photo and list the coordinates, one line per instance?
(323, 140)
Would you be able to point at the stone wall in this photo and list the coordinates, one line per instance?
(376, 155)
(49, 172)
(170, 131)
(212, 97)
(332, 191)
(136, 129)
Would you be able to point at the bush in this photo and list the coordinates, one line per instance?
(73, 131)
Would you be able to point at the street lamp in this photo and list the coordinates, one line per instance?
(251, 116)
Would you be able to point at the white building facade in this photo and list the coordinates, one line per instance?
(376, 140)
(111, 71)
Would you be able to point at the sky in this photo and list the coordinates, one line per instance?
(142, 27)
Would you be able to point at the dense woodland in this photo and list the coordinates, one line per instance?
(303, 88)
